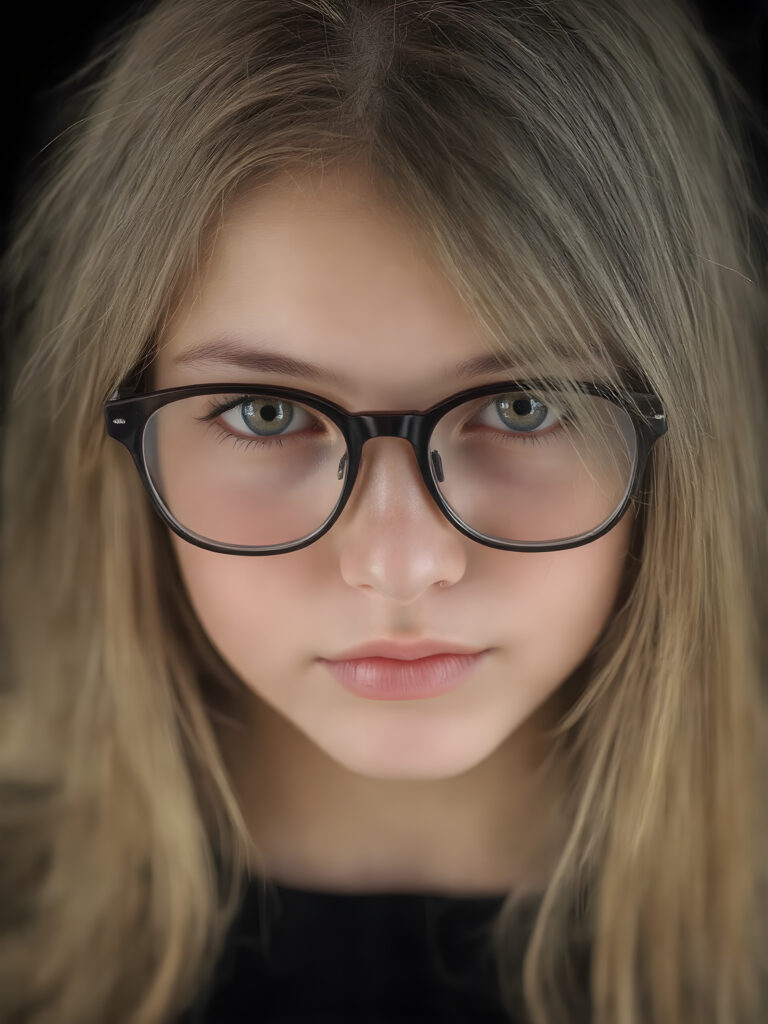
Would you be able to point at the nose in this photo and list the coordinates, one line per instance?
(391, 537)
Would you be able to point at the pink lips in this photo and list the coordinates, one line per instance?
(403, 650)
(379, 678)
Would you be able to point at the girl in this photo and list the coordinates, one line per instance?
(384, 510)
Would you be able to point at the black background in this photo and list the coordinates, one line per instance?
(46, 44)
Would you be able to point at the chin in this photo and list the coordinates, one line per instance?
(408, 758)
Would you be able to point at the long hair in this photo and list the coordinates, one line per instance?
(582, 173)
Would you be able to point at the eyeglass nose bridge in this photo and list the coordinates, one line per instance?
(413, 427)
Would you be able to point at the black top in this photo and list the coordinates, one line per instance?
(295, 956)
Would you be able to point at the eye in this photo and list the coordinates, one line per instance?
(521, 412)
(262, 416)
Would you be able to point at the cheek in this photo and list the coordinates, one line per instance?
(249, 612)
(559, 602)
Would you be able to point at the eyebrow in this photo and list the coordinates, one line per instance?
(232, 352)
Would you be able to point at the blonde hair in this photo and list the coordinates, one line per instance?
(582, 172)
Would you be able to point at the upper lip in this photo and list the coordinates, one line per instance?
(403, 651)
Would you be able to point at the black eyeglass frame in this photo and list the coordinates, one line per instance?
(127, 413)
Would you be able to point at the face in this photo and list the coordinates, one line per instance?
(323, 273)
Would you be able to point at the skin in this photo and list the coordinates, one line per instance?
(341, 792)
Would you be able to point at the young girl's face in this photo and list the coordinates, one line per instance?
(320, 271)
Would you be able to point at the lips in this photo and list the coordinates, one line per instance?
(403, 678)
(400, 651)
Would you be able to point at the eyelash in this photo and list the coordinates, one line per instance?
(263, 442)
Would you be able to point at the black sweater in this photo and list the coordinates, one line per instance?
(298, 956)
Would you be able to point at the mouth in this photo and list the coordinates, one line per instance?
(379, 678)
(399, 650)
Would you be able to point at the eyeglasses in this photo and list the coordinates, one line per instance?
(254, 469)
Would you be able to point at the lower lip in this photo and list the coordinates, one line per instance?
(391, 679)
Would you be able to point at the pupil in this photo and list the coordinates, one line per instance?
(268, 413)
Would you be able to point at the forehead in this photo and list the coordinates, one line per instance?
(320, 271)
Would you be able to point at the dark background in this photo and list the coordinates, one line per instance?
(48, 42)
